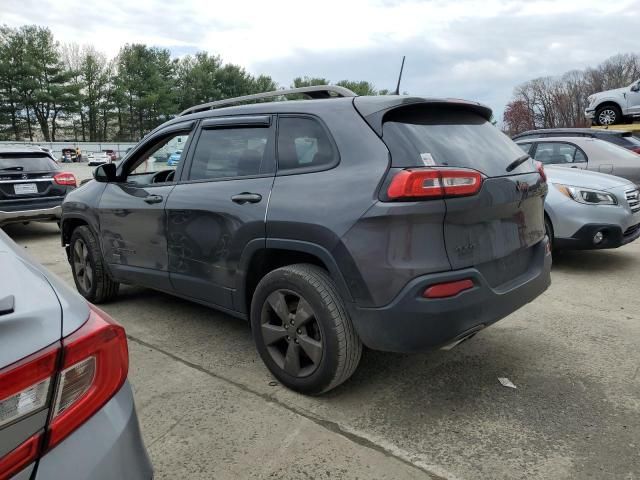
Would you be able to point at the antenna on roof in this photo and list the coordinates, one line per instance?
(397, 92)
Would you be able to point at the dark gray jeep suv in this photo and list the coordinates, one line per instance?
(401, 223)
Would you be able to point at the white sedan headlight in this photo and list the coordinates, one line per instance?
(586, 195)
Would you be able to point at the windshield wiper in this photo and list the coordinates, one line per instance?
(17, 167)
(517, 162)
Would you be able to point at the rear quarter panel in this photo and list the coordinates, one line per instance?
(322, 207)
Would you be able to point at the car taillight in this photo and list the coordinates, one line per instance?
(24, 386)
(20, 457)
(76, 377)
(419, 183)
(540, 168)
(636, 149)
(24, 390)
(94, 367)
(66, 178)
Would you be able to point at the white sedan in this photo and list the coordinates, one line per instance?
(98, 158)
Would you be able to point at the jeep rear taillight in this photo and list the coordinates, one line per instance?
(424, 183)
(75, 377)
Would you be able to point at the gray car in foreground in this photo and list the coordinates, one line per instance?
(66, 407)
(588, 210)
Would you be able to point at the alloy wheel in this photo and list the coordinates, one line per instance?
(82, 265)
(291, 333)
(607, 117)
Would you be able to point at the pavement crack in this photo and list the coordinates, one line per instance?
(328, 425)
(169, 430)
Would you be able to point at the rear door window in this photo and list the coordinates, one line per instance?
(26, 163)
(450, 137)
(552, 153)
(304, 145)
(229, 153)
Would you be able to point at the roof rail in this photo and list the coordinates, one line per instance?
(314, 92)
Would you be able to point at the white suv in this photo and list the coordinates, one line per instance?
(611, 106)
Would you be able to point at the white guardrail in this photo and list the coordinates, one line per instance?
(85, 147)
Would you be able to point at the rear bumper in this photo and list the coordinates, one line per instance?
(50, 213)
(107, 447)
(411, 323)
(614, 237)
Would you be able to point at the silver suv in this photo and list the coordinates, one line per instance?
(611, 106)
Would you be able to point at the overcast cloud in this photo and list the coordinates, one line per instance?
(471, 49)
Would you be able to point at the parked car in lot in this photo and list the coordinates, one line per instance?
(612, 106)
(69, 155)
(174, 158)
(32, 185)
(621, 138)
(98, 158)
(585, 153)
(112, 154)
(66, 407)
(588, 210)
(328, 224)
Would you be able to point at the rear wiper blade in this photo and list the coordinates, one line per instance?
(517, 162)
(17, 168)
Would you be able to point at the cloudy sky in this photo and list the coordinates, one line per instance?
(476, 49)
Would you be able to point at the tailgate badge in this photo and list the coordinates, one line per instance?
(465, 249)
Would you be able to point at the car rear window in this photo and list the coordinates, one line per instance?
(630, 141)
(451, 138)
(26, 163)
(619, 152)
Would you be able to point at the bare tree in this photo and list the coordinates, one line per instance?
(554, 102)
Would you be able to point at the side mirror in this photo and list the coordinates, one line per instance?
(636, 87)
(105, 173)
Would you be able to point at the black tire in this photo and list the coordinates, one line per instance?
(87, 265)
(611, 115)
(327, 327)
(548, 227)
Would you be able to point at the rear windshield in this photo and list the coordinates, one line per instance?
(619, 152)
(450, 138)
(629, 141)
(26, 163)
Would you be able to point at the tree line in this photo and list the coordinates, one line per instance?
(555, 102)
(50, 91)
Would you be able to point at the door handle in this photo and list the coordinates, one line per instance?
(573, 166)
(153, 199)
(246, 197)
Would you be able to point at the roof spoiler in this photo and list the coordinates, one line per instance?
(374, 109)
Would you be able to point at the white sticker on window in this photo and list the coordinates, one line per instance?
(427, 159)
